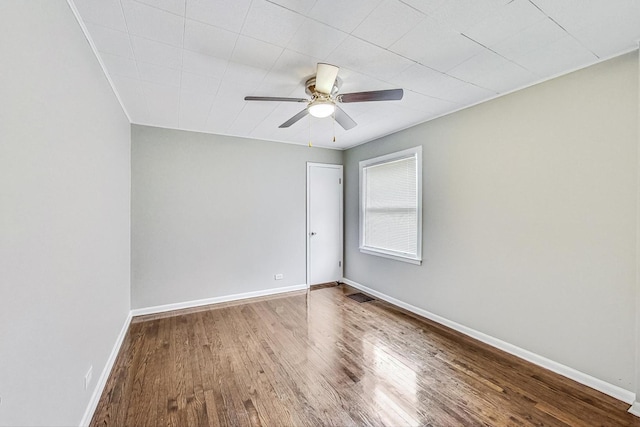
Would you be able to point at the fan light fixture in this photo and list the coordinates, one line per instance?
(321, 108)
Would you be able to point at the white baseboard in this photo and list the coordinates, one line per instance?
(595, 383)
(635, 409)
(215, 300)
(104, 376)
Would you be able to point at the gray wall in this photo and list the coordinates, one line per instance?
(529, 219)
(215, 215)
(64, 215)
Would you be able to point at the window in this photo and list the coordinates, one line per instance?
(391, 206)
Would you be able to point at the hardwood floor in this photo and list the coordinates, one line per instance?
(319, 358)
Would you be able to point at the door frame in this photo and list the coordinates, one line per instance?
(341, 169)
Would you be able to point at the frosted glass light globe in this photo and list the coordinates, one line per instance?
(321, 109)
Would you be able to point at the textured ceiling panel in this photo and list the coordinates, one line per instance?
(188, 64)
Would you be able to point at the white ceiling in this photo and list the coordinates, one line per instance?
(187, 64)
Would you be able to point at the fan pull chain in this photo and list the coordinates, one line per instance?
(333, 124)
(310, 132)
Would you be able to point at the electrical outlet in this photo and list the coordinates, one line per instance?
(278, 276)
(87, 377)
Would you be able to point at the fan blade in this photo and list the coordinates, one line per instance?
(376, 95)
(294, 119)
(343, 119)
(325, 77)
(274, 98)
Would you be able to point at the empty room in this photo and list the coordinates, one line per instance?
(315, 212)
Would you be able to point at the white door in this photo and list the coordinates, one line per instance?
(324, 223)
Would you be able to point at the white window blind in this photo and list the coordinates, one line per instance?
(390, 212)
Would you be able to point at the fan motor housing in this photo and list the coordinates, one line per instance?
(310, 86)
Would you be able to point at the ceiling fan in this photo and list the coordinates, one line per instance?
(323, 89)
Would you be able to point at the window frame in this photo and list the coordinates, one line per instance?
(387, 158)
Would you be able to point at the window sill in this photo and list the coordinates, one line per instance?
(416, 261)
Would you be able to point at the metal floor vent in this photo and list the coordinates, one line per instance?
(360, 297)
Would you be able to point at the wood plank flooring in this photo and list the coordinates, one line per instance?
(318, 358)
